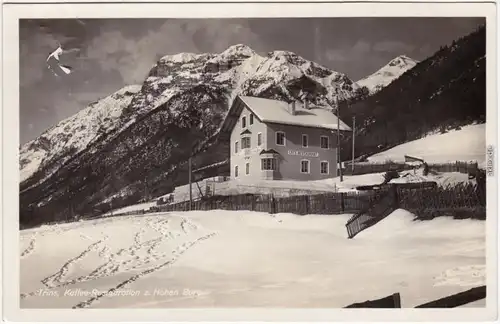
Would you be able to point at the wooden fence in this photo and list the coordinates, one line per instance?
(458, 166)
(451, 301)
(327, 203)
(459, 201)
(457, 300)
(382, 206)
(392, 301)
(365, 168)
(447, 200)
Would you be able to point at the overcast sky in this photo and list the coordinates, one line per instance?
(117, 52)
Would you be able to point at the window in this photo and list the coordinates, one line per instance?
(268, 164)
(236, 171)
(325, 142)
(304, 166)
(243, 122)
(251, 119)
(324, 167)
(236, 147)
(305, 140)
(248, 168)
(280, 138)
(245, 142)
(259, 139)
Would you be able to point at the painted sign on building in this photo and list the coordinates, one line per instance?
(304, 154)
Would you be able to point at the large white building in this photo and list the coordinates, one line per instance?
(272, 139)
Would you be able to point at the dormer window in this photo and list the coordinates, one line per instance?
(251, 119)
(244, 122)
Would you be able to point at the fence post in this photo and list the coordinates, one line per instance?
(342, 205)
(395, 197)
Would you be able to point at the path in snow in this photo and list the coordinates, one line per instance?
(156, 242)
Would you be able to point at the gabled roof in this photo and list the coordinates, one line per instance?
(274, 111)
(270, 151)
(246, 131)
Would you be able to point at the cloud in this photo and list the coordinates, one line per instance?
(353, 53)
(396, 47)
(133, 57)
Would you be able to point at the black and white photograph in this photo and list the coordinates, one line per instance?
(277, 162)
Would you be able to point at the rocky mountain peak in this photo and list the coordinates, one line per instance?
(388, 73)
(402, 60)
(238, 50)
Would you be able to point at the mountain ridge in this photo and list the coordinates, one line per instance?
(72, 134)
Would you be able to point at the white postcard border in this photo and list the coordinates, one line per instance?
(10, 154)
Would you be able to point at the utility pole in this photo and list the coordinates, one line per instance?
(190, 184)
(338, 143)
(353, 136)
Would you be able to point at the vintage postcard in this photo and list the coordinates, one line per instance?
(250, 161)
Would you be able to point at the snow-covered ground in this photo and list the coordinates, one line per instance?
(253, 186)
(247, 259)
(349, 183)
(467, 144)
(289, 187)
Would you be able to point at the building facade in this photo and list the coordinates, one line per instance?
(275, 140)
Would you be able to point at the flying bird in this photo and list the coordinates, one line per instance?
(54, 64)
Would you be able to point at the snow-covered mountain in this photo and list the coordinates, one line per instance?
(388, 73)
(57, 144)
(240, 70)
(150, 132)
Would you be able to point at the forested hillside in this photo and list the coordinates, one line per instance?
(445, 91)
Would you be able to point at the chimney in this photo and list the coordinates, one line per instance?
(292, 108)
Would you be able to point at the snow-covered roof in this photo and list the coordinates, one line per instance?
(275, 111)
